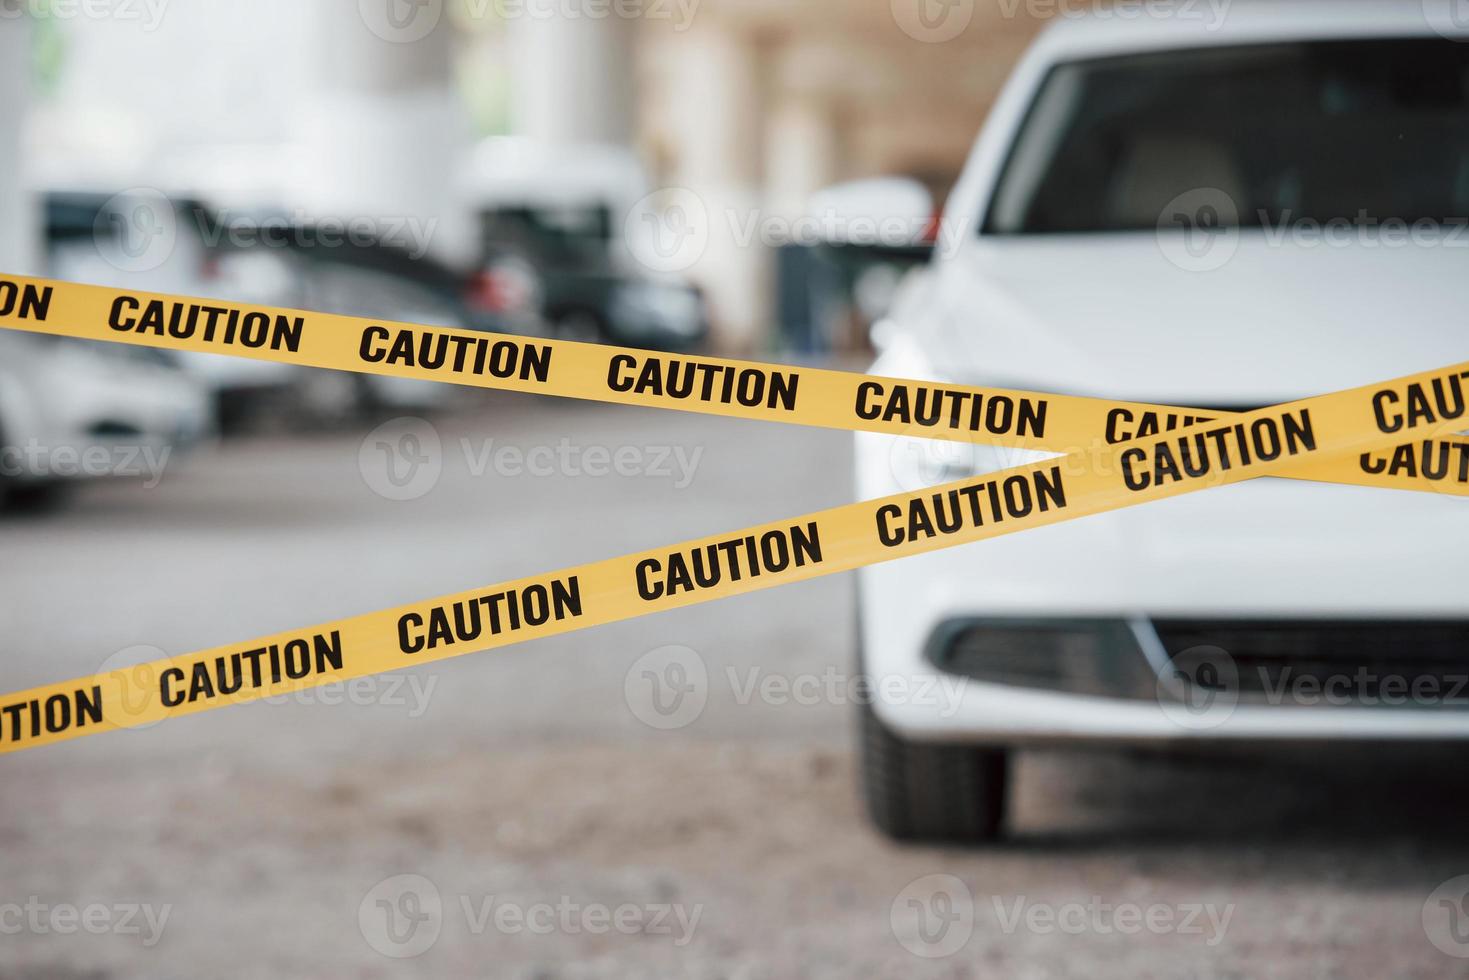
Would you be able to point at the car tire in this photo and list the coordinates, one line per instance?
(34, 498)
(922, 792)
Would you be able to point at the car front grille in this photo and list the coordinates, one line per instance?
(1377, 663)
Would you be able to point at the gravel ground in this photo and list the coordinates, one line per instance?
(512, 815)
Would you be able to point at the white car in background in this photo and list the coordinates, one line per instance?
(1146, 217)
(74, 409)
(143, 239)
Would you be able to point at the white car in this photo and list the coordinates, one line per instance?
(142, 239)
(75, 409)
(1220, 216)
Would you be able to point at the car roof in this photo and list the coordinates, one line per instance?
(1127, 26)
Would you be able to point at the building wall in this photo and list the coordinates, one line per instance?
(760, 103)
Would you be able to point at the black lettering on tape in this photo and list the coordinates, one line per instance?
(660, 377)
(708, 567)
(26, 302)
(977, 505)
(456, 353)
(1214, 451)
(58, 713)
(210, 324)
(501, 612)
(943, 408)
(251, 670)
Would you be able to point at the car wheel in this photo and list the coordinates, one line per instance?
(921, 792)
(34, 498)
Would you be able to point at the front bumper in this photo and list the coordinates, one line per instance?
(1268, 550)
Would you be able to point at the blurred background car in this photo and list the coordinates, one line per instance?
(566, 213)
(178, 244)
(362, 274)
(73, 410)
(144, 239)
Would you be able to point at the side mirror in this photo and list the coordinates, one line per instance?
(890, 214)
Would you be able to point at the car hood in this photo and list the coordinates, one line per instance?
(1131, 316)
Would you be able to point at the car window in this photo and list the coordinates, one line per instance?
(1372, 129)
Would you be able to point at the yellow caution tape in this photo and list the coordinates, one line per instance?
(714, 386)
(1292, 438)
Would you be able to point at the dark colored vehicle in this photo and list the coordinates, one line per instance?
(502, 296)
(588, 295)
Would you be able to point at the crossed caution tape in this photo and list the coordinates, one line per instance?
(1397, 434)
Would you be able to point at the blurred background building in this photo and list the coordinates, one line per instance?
(566, 115)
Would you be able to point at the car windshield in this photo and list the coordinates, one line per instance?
(1354, 130)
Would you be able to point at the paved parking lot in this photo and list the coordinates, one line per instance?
(514, 814)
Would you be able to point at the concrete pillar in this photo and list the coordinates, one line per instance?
(572, 75)
(802, 153)
(19, 218)
(384, 124)
(714, 123)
